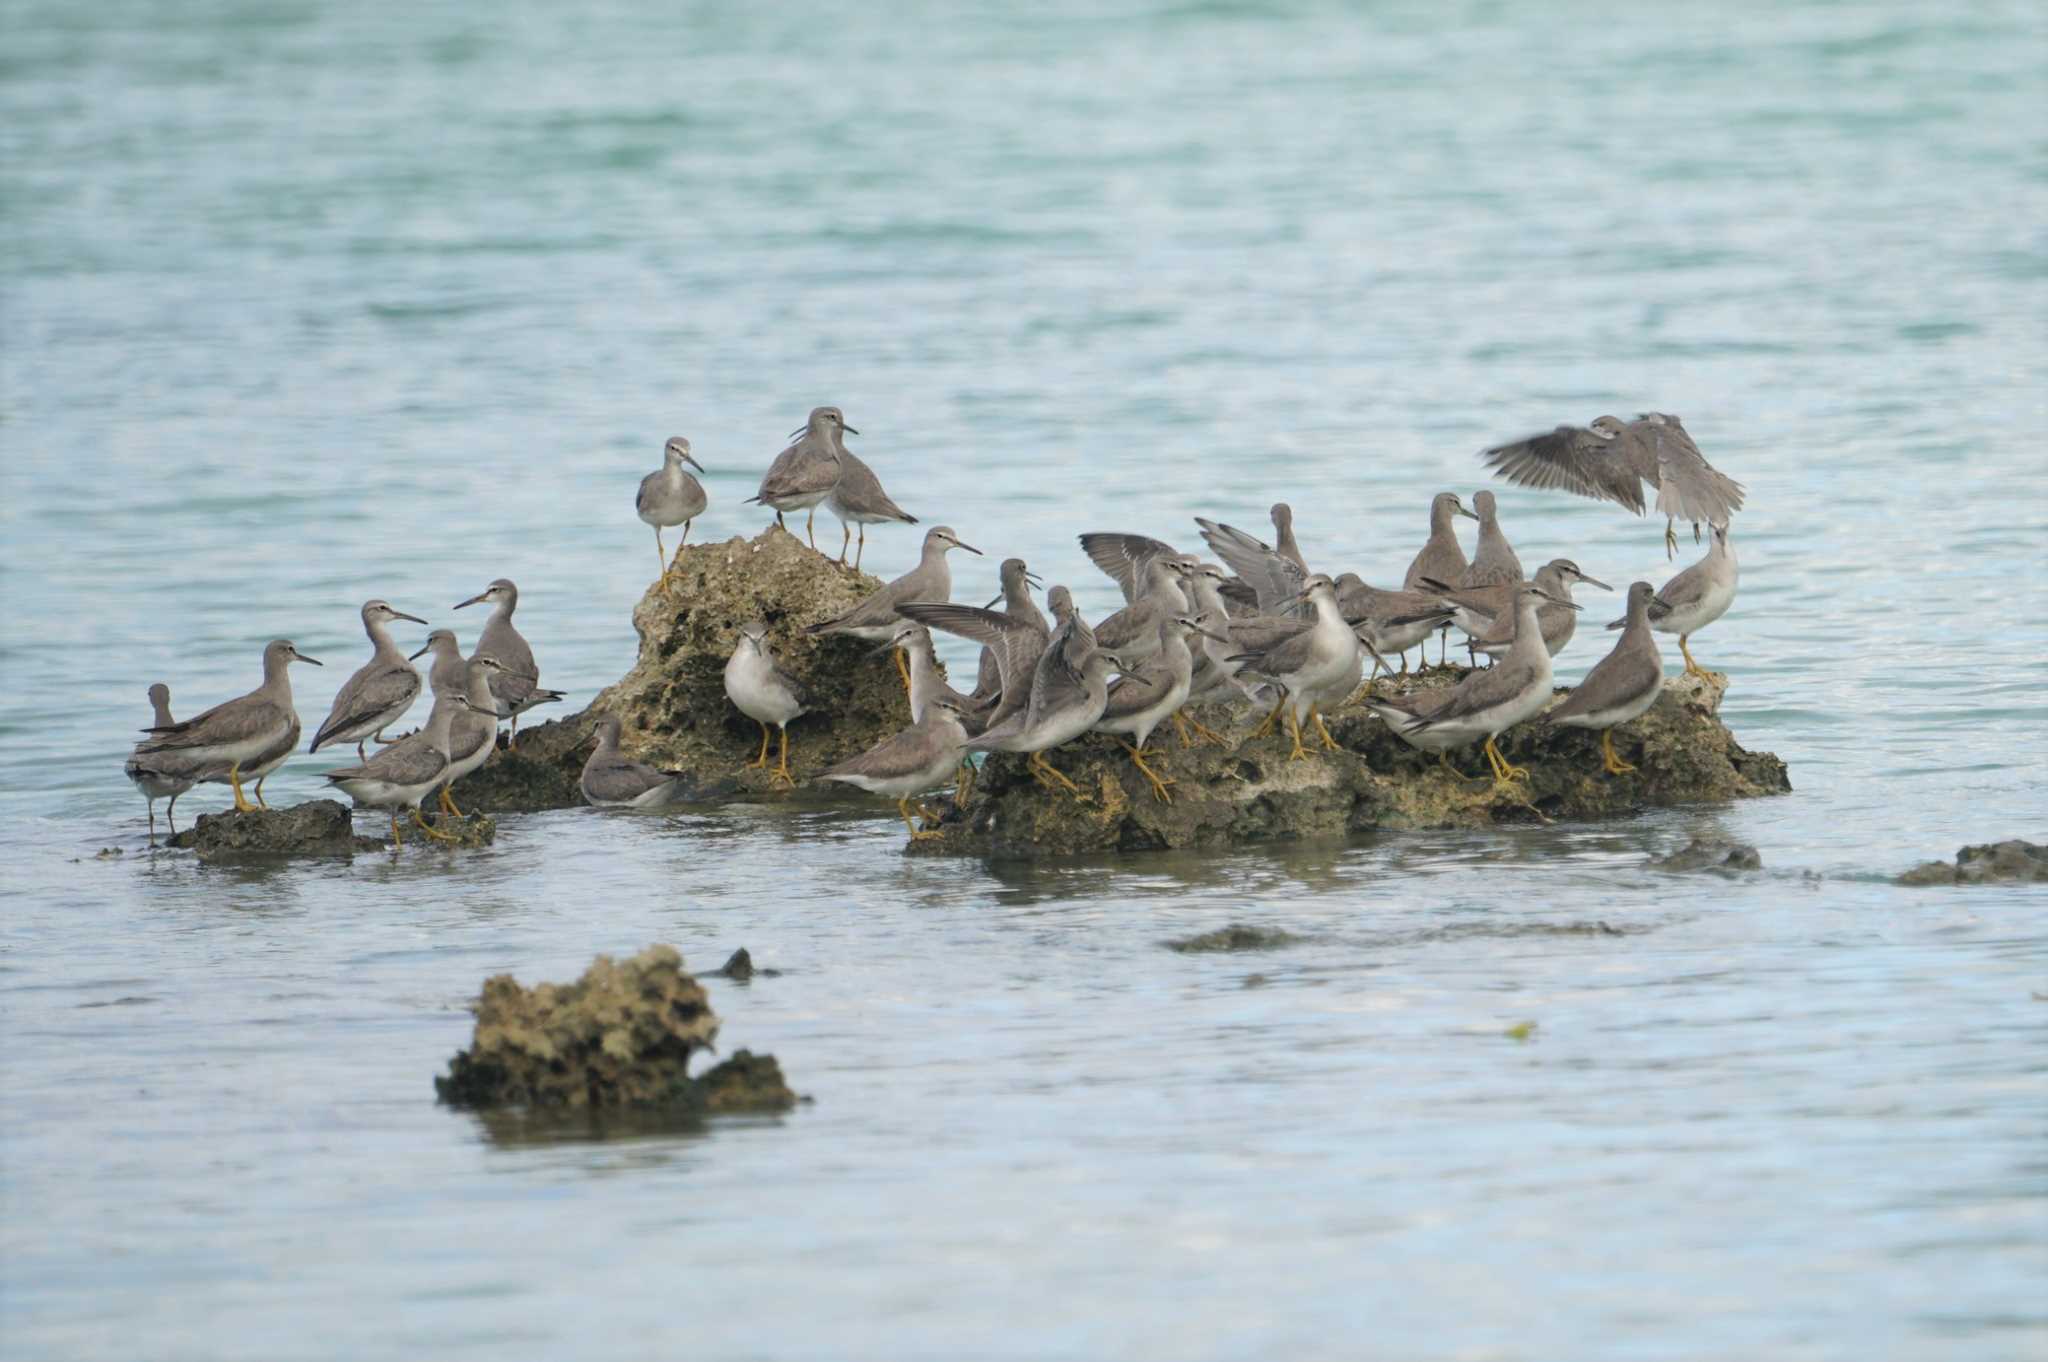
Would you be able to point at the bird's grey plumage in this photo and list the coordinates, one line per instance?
(1139, 699)
(669, 495)
(1612, 459)
(380, 691)
(1493, 560)
(805, 473)
(858, 497)
(1132, 633)
(1484, 703)
(1283, 536)
(1126, 558)
(449, 671)
(163, 776)
(1697, 596)
(417, 759)
(757, 685)
(1394, 621)
(931, 580)
(516, 685)
(241, 729)
(1016, 644)
(926, 684)
(1069, 687)
(1015, 598)
(613, 779)
(1441, 557)
(1274, 578)
(1309, 663)
(1487, 612)
(909, 762)
(1623, 684)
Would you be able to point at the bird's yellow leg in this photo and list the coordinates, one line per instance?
(397, 842)
(917, 834)
(1692, 668)
(1670, 538)
(1329, 743)
(660, 555)
(1508, 770)
(430, 829)
(861, 552)
(903, 669)
(1614, 764)
(1206, 733)
(761, 762)
(261, 802)
(782, 775)
(1047, 771)
(242, 804)
(1404, 664)
(1299, 753)
(845, 541)
(448, 804)
(809, 538)
(1271, 719)
(1159, 782)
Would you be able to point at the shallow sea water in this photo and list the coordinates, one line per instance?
(305, 305)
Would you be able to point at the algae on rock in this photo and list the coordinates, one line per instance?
(1249, 791)
(620, 1036)
(318, 827)
(672, 703)
(2013, 860)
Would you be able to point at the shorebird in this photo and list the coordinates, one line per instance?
(407, 771)
(1695, 598)
(1441, 556)
(1015, 598)
(613, 780)
(1140, 700)
(245, 728)
(1622, 685)
(448, 671)
(875, 618)
(516, 683)
(1274, 578)
(1391, 621)
(763, 692)
(1611, 459)
(159, 777)
(1493, 561)
(1125, 558)
(915, 760)
(258, 768)
(1485, 703)
(805, 473)
(671, 496)
(474, 730)
(1069, 689)
(1132, 633)
(1016, 644)
(1484, 612)
(379, 693)
(1320, 664)
(1283, 535)
(858, 499)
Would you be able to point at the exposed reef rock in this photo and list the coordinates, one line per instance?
(2014, 860)
(622, 1036)
(673, 701)
(319, 827)
(1235, 937)
(1248, 791)
(1710, 853)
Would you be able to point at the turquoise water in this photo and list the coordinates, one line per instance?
(304, 305)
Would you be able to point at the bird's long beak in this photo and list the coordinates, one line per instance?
(1033, 578)
(798, 431)
(301, 657)
(1467, 513)
(992, 604)
(691, 460)
(962, 544)
(421, 653)
(400, 614)
(885, 647)
(1594, 581)
(472, 600)
(1218, 638)
(848, 429)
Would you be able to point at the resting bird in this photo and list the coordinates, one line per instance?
(670, 496)
(805, 473)
(231, 737)
(381, 690)
(761, 690)
(1695, 598)
(161, 776)
(1611, 459)
(858, 499)
(516, 682)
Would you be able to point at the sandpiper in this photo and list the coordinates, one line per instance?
(1069, 688)
(1696, 597)
(245, 728)
(1441, 556)
(379, 693)
(407, 771)
(911, 762)
(1483, 612)
(858, 499)
(613, 780)
(516, 683)
(875, 618)
(1493, 560)
(763, 692)
(805, 473)
(1611, 459)
(1141, 699)
(670, 496)
(162, 776)
(1622, 685)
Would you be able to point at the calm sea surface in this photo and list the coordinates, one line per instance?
(307, 304)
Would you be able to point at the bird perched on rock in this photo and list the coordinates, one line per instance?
(244, 729)
(805, 473)
(611, 779)
(1493, 560)
(1622, 685)
(1695, 598)
(763, 692)
(918, 759)
(1611, 459)
(516, 683)
(379, 693)
(875, 618)
(1441, 555)
(858, 499)
(670, 496)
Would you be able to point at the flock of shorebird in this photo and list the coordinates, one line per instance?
(1256, 626)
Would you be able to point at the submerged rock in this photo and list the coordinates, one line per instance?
(1248, 790)
(620, 1036)
(2012, 860)
(319, 827)
(673, 703)
(1235, 937)
(1711, 853)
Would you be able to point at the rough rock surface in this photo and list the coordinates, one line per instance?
(1235, 937)
(620, 1036)
(319, 827)
(1994, 861)
(673, 701)
(1248, 791)
(1711, 853)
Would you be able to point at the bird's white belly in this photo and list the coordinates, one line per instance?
(1712, 604)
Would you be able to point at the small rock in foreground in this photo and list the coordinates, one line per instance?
(619, 1037)
(319, 827)
(1235, 937)
(2023, 862)
(1711, 853)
